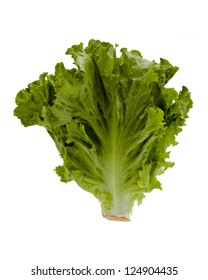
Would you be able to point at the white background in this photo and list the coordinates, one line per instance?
(48, 223)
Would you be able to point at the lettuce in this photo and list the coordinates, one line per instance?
(112, 120)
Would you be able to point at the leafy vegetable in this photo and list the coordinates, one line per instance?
(112, 119)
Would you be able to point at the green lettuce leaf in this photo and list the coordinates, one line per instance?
(112, 120)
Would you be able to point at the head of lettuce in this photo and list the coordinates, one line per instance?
(111, 118)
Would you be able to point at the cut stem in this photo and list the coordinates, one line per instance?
(116, 218)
